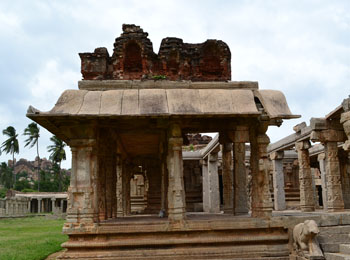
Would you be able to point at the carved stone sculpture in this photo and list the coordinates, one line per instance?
(304, 239)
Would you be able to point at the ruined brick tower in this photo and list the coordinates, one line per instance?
(133, 58)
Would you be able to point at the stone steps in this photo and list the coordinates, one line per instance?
(336, 256)
(335, 242)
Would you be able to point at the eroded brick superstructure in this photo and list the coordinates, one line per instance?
(133, 58)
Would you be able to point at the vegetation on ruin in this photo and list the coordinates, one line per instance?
(159, 77)
(30, 238)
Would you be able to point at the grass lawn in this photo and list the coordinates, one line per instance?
(31, 238)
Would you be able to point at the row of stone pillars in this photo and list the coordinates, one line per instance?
(234, 175)
(43, 205)
(100, 189)
(330, 168)
(100, 180)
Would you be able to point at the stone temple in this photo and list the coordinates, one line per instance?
(131, 115)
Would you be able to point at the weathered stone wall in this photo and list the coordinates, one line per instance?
(133, 58)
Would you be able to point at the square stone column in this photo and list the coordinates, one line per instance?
(240, 180)
(239, 137)
(205, 183)
(227, 177)
(39, 205)
(29, 205)
(213, 177)
(53, 200)
(278, 180)
(307, 201)
(321, 160)
(261, 198)
(82, 192)
(176, 189)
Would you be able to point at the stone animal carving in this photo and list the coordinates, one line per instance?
(304, 239)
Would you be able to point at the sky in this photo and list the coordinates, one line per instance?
(299, 47)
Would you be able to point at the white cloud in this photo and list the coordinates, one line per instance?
(49, 83)
(301, 49)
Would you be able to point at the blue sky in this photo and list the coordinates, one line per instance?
(299, 47)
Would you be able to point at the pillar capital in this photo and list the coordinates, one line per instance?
(73, 143)
(213, 157)
(321, 157)
(278, 155)
(328, 135)
(240, 135)
(302, 145)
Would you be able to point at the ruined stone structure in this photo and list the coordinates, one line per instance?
(21, 203)
(324, 169)
(133, 58)
(125, 118)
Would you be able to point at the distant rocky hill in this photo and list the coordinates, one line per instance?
(30, 167)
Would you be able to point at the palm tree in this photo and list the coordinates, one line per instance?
(57, 154)
(11, 146)
(32, 131)
(6, 176)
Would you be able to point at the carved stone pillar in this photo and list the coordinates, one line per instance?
(307, 201)
(344, 163)
(124, 189)
(278, 180)
(119, 187)
(127, 196)
(205, 183)
(335, 197)
(227, 178)
(345, 120)
(176, 190)
(261, 198)
(329, 133)
(82, 200)
(321, 160)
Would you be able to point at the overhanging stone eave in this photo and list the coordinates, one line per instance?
(48, 115)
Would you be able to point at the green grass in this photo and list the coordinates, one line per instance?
(32, 238)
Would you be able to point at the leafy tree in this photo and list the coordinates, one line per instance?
(6, 176)
(11, 145)
(33, 133)
(3, 192)
(57, 154)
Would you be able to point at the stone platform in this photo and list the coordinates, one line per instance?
(200, 236)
